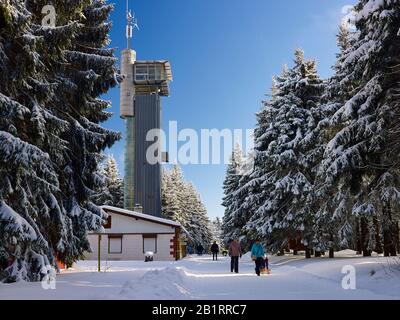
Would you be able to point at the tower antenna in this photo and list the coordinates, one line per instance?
(131, 24)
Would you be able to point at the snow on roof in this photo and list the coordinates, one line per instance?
(141, 215)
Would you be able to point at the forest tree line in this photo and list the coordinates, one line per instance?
(325, 167)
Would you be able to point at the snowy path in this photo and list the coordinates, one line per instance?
(202, 278)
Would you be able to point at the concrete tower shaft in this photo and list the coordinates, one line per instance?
(127, 89)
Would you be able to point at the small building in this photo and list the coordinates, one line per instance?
(128, 235)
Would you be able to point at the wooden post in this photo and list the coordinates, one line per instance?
(98, 253)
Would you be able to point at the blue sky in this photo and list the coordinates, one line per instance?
(223, 55)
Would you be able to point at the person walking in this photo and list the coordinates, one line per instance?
(257, 254)
(235, 253)
(200, 250)
(215, 250)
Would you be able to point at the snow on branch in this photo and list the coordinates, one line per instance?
(14, 224)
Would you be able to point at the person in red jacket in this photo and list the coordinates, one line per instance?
(235, 253)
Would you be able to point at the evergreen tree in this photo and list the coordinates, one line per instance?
(333, 225)
(112, 191)
(287, 152)
(165, 193)
(181, 202)
(242, 208)
(50, 134)
(173, 187)
(362, 155)
(232, 224)
(198, 224)
(216, 230)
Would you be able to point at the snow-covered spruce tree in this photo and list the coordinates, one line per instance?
(333, 223)
(287, 152)
(231, 225)
(182, 203)
(198, 224)
(244, 200)
(50, 133)
(172, 194)
(112, 191)
(363, 152)
(216, 230)
(165, 190)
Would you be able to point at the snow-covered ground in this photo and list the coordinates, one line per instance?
(200, 278)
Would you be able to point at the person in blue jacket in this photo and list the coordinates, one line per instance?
(257, 254)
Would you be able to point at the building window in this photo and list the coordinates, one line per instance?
(141, 72)
(114, 244)
(159, 72)
(152, 72)
(150, 243)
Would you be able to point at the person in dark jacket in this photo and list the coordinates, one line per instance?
(235, 253)
(200, 250)
(215, 250)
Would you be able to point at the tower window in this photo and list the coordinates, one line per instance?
(152, 72)
(141, 72)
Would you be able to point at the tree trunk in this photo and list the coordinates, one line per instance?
(296, 246)
(386, 232)
(312, 252)
(331, 253)
(389, 234)
(393, 252)
(318, 254)
(393, 240)
(397, 237)
(394, 236)
(386, 243)
(365, 237)
(378, 247)
(282, 252)
(308, 254)
(358, 238)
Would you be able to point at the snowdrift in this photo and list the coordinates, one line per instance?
(157, 284)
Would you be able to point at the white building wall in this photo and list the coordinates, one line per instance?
(132, 248)
(164, 243)
(132, 230)
(124, 224)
